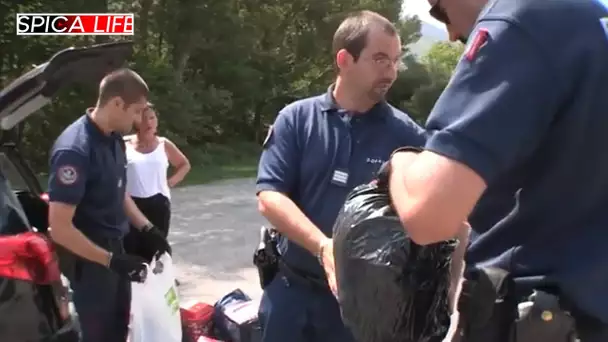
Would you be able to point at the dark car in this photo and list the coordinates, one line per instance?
(33, 299)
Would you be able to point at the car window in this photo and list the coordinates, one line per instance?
(16, 181)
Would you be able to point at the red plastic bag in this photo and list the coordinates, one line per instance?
(28, 256)
(197, 321)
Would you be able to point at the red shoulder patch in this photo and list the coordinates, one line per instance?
(480, 39)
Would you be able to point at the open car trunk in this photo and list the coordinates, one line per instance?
(31, 310)
(32, 91)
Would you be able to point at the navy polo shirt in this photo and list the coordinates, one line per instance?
(492, 207)
(316, 153)
(87, 170)
(528, 108)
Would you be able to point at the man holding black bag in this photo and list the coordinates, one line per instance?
(525, 107)
(317, 150)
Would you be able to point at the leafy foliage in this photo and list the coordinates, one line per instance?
(219, 69)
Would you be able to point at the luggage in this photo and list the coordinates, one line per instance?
(197, 321)
(389, 288)
(236, 318)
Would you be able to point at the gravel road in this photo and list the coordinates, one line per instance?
(214, 230)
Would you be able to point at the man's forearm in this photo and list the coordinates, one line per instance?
(72, 239)
(289, 220)
(136, 217)
(411, 202)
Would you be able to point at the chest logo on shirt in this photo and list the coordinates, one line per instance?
(67, 175)
(120, 182)
(374, 161)
(340, 177)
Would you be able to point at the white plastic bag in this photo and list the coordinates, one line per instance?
(155, 315)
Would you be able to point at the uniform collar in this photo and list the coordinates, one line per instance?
(94, 129)
(329, 105)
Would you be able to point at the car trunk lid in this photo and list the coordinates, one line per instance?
(36, 88)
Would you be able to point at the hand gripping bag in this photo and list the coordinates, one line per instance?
(155, 314)
(389, 288)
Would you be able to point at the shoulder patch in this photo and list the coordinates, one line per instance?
(480, 39)
(604, 23)
(268, 136)
(67, 175)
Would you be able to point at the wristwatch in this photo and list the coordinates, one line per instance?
(109, 262)
(322, 246)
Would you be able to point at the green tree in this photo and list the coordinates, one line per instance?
(433, 72)
(219, 70)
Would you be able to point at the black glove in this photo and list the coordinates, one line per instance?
(383, 175)
(129, 266)
(153, 243)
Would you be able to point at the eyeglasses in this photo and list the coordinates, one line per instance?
(384, 62)
(439, 13)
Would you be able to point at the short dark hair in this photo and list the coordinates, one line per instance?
(123, 83)
(352, 33)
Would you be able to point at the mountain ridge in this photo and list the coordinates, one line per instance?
(430, 34)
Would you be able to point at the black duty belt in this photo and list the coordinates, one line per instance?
(302, 277)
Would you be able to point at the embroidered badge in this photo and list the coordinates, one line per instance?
(67, 175)
(604, 23)
(481, 38)
(340, 177)
(604, 20)
(268, 136)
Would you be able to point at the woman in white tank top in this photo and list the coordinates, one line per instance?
(148, 159)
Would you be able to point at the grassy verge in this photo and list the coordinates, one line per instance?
(219, 162)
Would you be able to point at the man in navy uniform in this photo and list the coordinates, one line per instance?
(526, 108)
(318, 149)
(89, 210)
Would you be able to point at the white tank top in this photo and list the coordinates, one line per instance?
(147, 172)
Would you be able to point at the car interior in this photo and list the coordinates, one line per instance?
(34, 206)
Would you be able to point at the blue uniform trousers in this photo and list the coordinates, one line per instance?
(102, 299)
(294, 311)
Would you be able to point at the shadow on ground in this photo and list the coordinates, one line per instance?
(214, 230)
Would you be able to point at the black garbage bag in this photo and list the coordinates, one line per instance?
(389, 288)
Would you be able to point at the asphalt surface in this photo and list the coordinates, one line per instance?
(214, 231)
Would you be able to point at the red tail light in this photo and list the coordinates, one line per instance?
(45, 197)
(30, 257)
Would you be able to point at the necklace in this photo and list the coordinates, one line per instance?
(146, 146)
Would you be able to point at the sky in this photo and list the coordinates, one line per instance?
(421, 9)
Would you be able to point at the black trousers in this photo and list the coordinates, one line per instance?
(157, 209)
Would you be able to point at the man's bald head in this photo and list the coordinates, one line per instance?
(125, 84)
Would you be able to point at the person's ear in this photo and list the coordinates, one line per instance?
(117, 102)
(343, 59)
